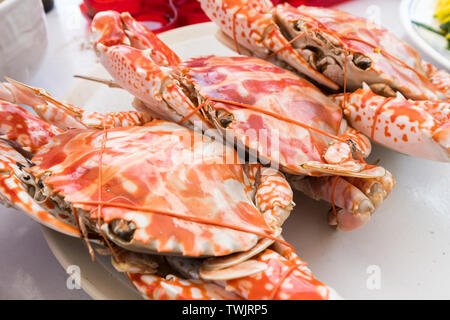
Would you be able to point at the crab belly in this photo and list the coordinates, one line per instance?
(273, 90)
(155, 170)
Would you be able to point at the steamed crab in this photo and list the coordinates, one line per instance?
(157, 194)
(343, 52)
(271, 113)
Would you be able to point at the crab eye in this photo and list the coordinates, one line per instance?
(297, 25)
(122, 229)
(19, 165)
(224, 117)
(361, 61)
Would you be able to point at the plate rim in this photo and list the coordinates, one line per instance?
(404, 9)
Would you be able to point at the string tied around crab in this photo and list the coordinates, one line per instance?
(100, 204)
(350, 142)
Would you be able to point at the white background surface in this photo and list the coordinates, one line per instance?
(24, 38)
(433, 44)
(28, 269)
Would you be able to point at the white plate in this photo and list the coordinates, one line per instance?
(431, 43)
(406, 245)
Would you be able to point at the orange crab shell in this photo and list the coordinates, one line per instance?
(157, 167)
(362, 36)
(261, 84)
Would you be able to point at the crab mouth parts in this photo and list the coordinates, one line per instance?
(218, 116)
(322, 51)
(159, 265)
(55, 203)
(122, 229)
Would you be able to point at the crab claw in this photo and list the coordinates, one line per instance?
(65, 115)
(142, 64)
(440, 78)
(417, 128)
(251, 25)
(112, 28)
(25, 129)
(281, 277)
(353, 199)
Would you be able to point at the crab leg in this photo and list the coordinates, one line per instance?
(273, 199)
(356, 195)
(344, 157)
(149, 275)
(155, 287)
(128, 31)
(283, 276)
(418, 128)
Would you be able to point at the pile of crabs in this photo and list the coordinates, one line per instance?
(187, 214)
